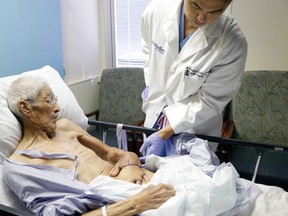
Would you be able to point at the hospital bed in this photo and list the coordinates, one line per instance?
(273, 200)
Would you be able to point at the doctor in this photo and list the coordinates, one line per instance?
(194, 56)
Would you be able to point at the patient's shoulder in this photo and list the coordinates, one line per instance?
(63, 122)
(67, 125)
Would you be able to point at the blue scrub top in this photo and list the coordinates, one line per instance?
(182, 39)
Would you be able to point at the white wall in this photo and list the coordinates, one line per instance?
(87, 93)
(84, 48)
(81, 39)
(264, 22)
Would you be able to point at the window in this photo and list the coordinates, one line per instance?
(127, 32)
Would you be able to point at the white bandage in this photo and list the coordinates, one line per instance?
(104, 213)
(121, 137)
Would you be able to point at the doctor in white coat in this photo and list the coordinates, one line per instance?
(194, 56)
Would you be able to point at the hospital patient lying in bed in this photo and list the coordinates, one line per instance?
(58, 169)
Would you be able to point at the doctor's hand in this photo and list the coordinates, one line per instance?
(154, 144)
(159, 143)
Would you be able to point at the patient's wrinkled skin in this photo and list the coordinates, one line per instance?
(42, 131)
(67, 139)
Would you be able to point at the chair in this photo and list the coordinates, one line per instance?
(120, 95)
(259, 113)
(120, 102)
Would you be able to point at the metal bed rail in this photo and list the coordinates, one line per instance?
(220, 140)
(252, 160)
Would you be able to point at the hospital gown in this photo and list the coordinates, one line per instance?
(47, 190)
(203, 188)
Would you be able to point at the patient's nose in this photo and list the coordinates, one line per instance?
(56, 108)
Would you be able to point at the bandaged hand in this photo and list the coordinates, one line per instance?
(154, 144)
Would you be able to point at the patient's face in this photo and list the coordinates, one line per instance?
(44, 111)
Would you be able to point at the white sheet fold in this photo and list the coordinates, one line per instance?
(203, 188)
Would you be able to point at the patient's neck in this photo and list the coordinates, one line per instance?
(31, 137)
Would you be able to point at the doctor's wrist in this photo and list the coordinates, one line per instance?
(166, 133)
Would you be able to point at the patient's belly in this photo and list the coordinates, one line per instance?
(88, 172)
(89, 166)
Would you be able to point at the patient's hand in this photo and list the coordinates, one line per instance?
(122, 159)
(134, 174)
(152, 197)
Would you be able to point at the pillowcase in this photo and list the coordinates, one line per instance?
(10, 130)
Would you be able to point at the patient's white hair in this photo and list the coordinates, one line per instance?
(25, 87)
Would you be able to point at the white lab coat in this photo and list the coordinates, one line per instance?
(213, 60)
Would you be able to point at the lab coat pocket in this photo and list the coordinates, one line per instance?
(192, 82)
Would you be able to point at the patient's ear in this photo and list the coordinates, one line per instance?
(23, 107)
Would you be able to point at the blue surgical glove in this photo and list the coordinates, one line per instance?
(154, 144)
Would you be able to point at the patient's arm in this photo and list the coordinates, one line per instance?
(134, 174)
(115, 156)
(121, 159)
(151, 197)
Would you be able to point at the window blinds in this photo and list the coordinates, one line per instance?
(128, 49)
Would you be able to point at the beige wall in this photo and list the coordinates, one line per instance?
(264, 23)
(81, 39)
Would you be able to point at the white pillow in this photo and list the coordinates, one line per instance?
(10, 129)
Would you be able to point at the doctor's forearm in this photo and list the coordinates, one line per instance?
(166, 132)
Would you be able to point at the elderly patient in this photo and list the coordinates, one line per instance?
(56, 160)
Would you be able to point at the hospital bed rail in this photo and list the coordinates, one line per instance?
(223, 141)
(259, 162)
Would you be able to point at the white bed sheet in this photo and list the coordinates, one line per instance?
(272, 202)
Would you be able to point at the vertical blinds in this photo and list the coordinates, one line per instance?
(128, 32)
